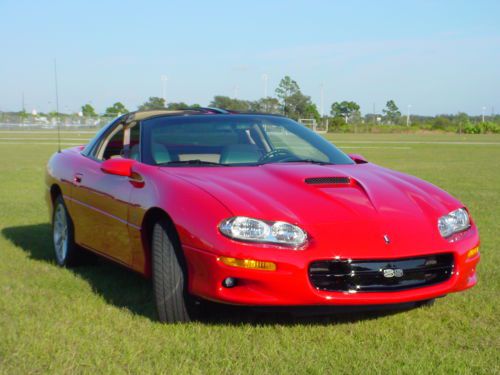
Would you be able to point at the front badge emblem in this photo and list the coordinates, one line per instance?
(390, 273)
(387, 239)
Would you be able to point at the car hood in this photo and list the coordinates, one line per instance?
(353, 216)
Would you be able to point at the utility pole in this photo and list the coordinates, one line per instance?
(322, 87)
(23, 107)
(408, 116)
(57, 108)
(265, 78)
(235, 88)
(164, 80)
(484, 109)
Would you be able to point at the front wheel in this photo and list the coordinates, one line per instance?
(66, 250)
(173, 302)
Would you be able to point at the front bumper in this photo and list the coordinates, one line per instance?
(289, 284)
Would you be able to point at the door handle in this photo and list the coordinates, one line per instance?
(77, 178)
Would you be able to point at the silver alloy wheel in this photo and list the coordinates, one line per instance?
(61, 233)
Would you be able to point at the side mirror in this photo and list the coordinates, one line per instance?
(358, 159)
(118, 166)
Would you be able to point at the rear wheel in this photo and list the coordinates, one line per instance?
(173, 302)
(66, 250)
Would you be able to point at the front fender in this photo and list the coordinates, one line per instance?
(195, 213)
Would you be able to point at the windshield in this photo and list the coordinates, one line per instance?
(225, 140)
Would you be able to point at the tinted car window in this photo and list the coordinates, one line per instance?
(135, 134)
(114, 147)
(91, 147)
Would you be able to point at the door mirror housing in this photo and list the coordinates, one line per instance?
(118, 167)
(358, 159)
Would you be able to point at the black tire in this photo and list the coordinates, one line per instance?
(173, 303)
(70, 254)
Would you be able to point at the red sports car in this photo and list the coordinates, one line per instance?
(254, 210)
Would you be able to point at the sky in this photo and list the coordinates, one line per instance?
(435, 56)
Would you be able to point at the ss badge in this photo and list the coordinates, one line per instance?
(390, 272)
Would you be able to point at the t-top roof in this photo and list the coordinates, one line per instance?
(142, 115)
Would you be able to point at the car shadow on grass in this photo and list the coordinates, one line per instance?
(117, 285)
(125, 289)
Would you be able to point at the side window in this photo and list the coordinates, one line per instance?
(135, 134)
(93, 146)
(113, 145)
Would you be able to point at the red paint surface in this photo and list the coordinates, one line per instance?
(345, 221)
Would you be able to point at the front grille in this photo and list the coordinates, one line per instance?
(327, 180)
(380, 275)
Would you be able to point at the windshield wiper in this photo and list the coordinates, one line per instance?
(190, 162)
(312, 161)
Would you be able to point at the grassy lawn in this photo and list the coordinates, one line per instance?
(101, 318)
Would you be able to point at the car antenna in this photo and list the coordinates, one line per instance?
(57, 109)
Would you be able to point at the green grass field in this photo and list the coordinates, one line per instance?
(100, 318)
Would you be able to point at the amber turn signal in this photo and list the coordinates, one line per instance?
(248, 263)
(473, 252)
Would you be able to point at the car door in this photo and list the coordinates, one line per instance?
(101, 200)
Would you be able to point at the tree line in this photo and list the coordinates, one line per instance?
(343, 116)
(289, 101)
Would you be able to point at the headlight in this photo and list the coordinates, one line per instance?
(455, 221)
(248, 229)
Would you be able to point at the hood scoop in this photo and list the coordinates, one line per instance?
(328, 180)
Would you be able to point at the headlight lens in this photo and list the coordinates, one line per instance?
(248, 229)
(455, 221)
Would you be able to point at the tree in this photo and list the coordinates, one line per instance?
(311, 111)
(462, 119)
(225, 102)
(153, 103)
(115, 110)
(391, 112)
(345, 109)
(175, 106)
(23, 114)
(181, 105)
(300, 105)
(286, 88)
(295, 103)
(88, 111)
(441, 122)
(268, 105)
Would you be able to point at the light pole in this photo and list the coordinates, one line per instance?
(265, 78)
(164, 80)
(408, 116)
(322, 88)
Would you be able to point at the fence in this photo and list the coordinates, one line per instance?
(27, 122)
